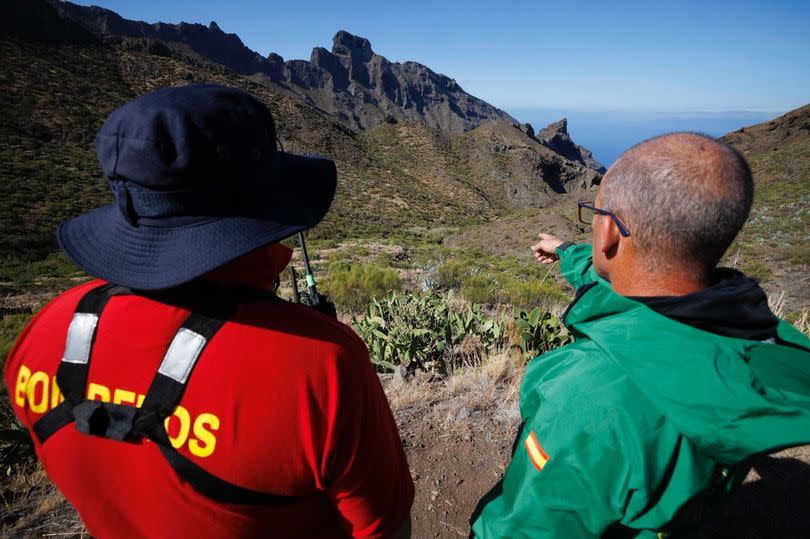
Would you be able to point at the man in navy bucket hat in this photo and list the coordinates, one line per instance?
(198, 181)
(176, 395)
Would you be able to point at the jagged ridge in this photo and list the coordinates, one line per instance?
(393, 177)
(351, 81)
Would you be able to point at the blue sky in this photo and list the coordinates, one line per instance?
(590, 56)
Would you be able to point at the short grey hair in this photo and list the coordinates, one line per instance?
(683, 197)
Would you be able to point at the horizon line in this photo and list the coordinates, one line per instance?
(610, 109)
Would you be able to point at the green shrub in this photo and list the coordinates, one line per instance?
(757, 269)
(800, 254)
(538, 331)
(482, 289)
(427, 331)
(499, 288)
(451, 274)
(400, 260)
(356, 250)
(318, 244)
(10, 327)
(54, 266)
(338, 263)
(384, 260)
(533, 293)
(352, 288)
(494, 280)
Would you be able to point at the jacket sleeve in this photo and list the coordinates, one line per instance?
(568, 476)
(576, 264)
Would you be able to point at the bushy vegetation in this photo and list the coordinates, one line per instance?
(353, 287)
(440, 332)
(493, 280)
(51, 274)
(538, 331)
(757, 269)
(427, 331)
(10, 327)
(15, 445)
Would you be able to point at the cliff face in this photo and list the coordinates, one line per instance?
(351, 81)
(555, 137)
(365, 90)
(207, 41)
(59, 81)
(513, 166)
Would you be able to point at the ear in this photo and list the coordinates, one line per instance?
(609, 237)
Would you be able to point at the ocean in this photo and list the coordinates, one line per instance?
(608, 134)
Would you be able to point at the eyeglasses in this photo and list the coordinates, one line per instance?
(590, 209)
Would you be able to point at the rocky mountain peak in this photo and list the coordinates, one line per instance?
(356, 47)
(555, 137)
(351, 82)
(560, 126)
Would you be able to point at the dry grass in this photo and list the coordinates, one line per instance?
(39, 510)
(777, 304)
(492, 385)
(803, 323)
(800, 321)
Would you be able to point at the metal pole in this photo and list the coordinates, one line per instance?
(313, 291)
(294, 283)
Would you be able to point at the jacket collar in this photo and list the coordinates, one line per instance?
(733, 306)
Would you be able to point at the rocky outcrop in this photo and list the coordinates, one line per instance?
(527, 129)
(351, 81)
(36, 20)
(207, 41)
(365, 89)
(555, 137)
(520, 169)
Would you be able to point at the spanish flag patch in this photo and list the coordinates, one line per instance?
(536, 453)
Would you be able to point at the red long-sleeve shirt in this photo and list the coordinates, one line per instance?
(283, 400)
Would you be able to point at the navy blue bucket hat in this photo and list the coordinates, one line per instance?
(198, 181)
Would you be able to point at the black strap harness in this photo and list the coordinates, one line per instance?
(129, 423)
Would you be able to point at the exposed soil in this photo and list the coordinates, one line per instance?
(791, 286)
(453, 463)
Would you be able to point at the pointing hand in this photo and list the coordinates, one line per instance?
(543, 250)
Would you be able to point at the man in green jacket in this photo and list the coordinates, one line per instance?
(679, 374)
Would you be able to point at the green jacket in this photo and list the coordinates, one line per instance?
(640, 414)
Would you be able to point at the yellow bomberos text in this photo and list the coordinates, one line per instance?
(39, 392)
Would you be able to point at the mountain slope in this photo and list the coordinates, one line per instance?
(392, 179)
(779, 149)
(555, 137)
(773, 246)
(779, 227)
(351, 82)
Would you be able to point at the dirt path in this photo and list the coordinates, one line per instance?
(458, 445)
